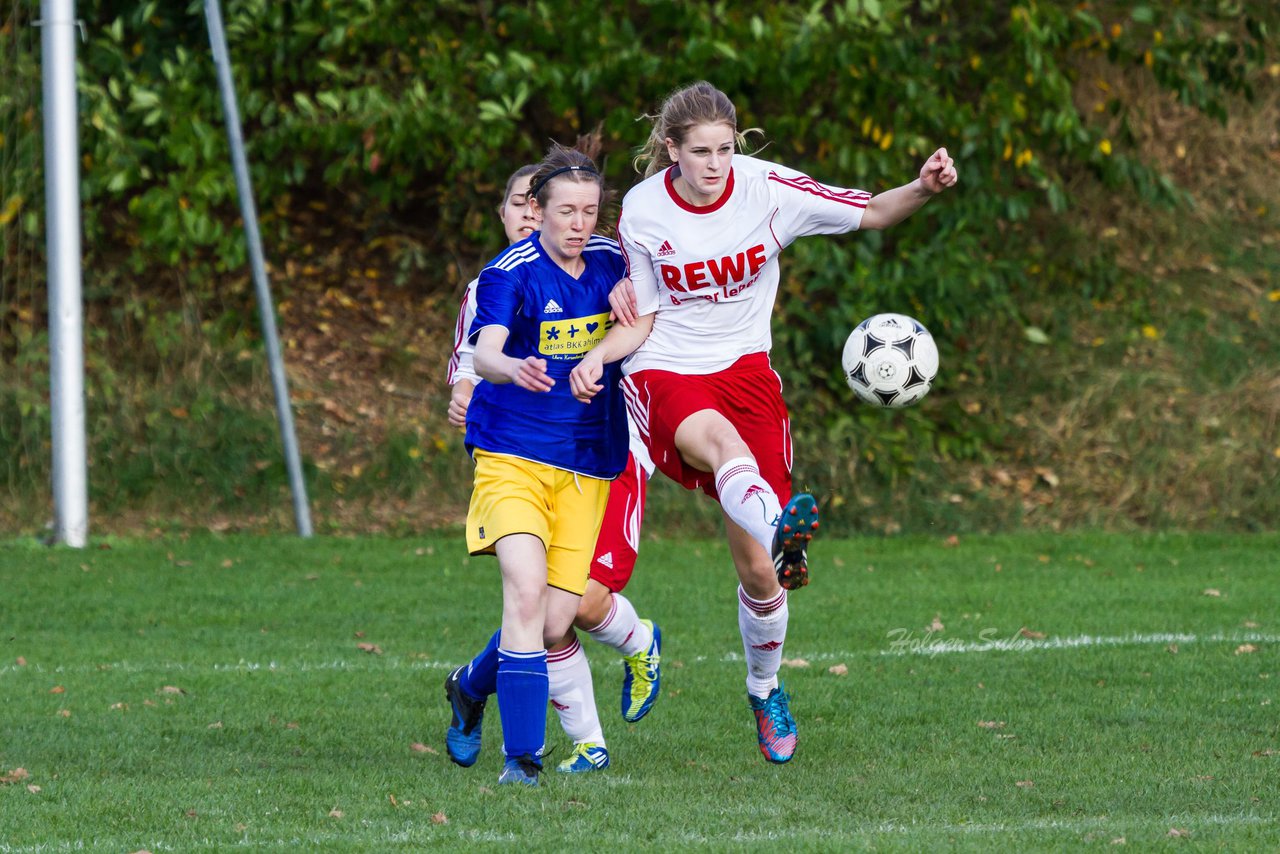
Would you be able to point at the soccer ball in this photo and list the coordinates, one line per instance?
(890, 360)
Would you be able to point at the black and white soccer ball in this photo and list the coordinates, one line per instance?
(890, 360)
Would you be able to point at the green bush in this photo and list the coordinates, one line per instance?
(409, 115)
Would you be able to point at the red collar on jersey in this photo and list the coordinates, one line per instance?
(669, 179)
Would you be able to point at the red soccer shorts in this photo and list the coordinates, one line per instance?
(748, 393)
(619, 540)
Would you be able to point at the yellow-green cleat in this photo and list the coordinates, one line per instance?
(585, 757)
(641, 677)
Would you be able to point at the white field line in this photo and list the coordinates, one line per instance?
(926, 644)
(897, 645)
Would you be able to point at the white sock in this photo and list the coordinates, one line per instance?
(764, 629)
(622, 629)
(573, 695)
(749, 500)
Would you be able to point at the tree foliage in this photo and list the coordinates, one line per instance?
(412, 114)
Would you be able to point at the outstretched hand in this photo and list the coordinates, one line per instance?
(531, 374)
(938, 172)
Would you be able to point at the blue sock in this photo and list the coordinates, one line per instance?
(480, 679)
(522, 701)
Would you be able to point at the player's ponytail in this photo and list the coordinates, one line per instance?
(697, 104)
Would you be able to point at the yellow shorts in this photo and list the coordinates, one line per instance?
(564, 510)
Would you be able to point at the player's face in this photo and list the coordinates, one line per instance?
(704, 159)
(518, 217)
(569, 219)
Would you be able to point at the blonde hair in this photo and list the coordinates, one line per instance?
(696, 104)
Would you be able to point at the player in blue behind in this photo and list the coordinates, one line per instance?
(543, 460)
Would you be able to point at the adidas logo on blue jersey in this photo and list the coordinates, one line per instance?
(552, 307)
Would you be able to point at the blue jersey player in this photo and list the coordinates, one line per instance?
(543, 460)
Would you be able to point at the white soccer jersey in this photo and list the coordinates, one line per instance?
(711, 273)
(462, 361)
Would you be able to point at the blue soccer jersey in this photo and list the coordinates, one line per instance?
(554, 316)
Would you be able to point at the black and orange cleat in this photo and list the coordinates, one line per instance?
(791, 539)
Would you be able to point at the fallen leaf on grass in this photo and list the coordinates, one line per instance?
(794, 662)
(64, 713)
(20, 661)
(1268, 752)
(171, 689)
(215, 725)
(1212, 591)
(124, 707)
(393, 800)
(1031, 635)
(1178, 832)
(838, 670)
(1025, 784)
(936, 625)
(14, 776)
(419, 747)
(951, 541)
(33, 789)
(991, 724)
(335, 813)
(439, 818)
(1245, 649)
(57, 689)
(371, 648)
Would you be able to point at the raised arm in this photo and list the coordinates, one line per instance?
(893, 206)
(495, 366)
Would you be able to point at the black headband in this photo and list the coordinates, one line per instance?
(537, 188)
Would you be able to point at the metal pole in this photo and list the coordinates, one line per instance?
(266, 310)
(62, 242)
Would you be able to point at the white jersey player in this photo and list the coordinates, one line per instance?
(518, 221)
(702, 236)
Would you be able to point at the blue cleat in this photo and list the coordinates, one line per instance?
(522, 770)
(462, 740)
(585, 757)
(641, 677)
(775, 728)
(795, 529)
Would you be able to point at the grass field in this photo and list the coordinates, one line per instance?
(1004, 693)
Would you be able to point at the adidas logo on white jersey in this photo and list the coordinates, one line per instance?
(552, 307)
(606, 559)
(665, 249)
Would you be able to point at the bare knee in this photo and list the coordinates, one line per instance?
(707, 440)
(758, 577)
(594, 607)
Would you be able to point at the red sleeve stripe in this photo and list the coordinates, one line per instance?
(623, 246)
(805, 184)
(459, 334)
